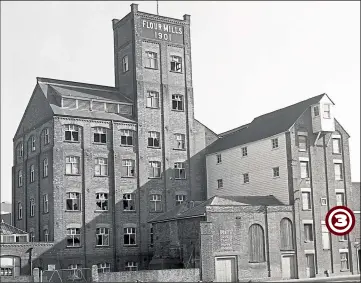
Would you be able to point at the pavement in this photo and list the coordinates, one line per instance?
(346, 278)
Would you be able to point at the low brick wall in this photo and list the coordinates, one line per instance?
(16, 279)
(165, 275)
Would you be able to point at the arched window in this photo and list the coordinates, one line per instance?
(256, 243)
(286, 231)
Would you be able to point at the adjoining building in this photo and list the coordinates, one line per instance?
(92, 164)
(5, 213)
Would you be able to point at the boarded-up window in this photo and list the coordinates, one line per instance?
(286, 235)
(83, 104)
(69, 103)
(256, 243)
(98, 106)
(125, 109)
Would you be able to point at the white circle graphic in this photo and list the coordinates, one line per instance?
(340, 211)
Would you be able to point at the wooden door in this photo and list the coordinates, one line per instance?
(225, 269)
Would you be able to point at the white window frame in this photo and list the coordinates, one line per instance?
(244, 151)
(71, 129)
(156, 203)
(346, 260)
(275, 143)
(276, 172)
(131, 266)
(310, 234)
(101, 167)
(155, 169)
(20, 149)
(307, 175)
(45, 203)
(99, 131)
(33, 143)
(73, 196)
(73, 233)
(342, 194)
(178, 167)
(300, 137)
(129, 137)
(32, 173)
(46, 136)
(20, 211)
(45, 167)
(151, 60)
(326, 242)
(20, 178)
(153, 138)
(220, 184)
(179, 199)
(245, 178)
(125, 63)
(176, 64)
(219, 158)
(338, 140)
(316, 110)
(103, 200)
(129, 202)
(180, 141)
(340, 176)
(72, 162)
(179, 100)
(46, 235)
(130, 231)
(128, 166)
(103, 267)
(306, 206)
(327, 111)
(152, 99)
(102, 233)
(32, 207)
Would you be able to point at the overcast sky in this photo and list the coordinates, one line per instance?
(249, 58)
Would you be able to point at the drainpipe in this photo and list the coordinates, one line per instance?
(267, 242)
(114, 204)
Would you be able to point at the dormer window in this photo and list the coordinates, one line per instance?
(125, 63)
(327, 111)
(316, 111)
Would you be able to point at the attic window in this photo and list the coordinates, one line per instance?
(69, 103)
(125, 109)
(98, 106)
(327, 111)
(112, 108)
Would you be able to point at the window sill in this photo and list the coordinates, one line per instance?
(72, 210)
(130, 246)
(45, 212)
(180, 149)
(71, 141)
(100, 211)
(308, 241)
(129, 211)
(127, 145)
(302, 150)
(180, 179)
(150, 68)
(243, 156)
(218, 163)
(176, 110)
(100, 143)
(152, 107)
(276, 177)
(345, 270)
(72, 174)
(245, 183)
(337, 153)
(160, 211)
(254, 262)
(44, 177)
(175, 72)
(220, 188)
(342, 241)
(71, 247)
(153, 147)
(275, 148)
(127, 177)
(100, 246)
(155, 178)
(102, 176)
(308, 209)
(339, 180)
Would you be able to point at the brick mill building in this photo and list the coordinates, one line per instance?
(94, 165)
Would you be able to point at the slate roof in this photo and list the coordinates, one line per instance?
(199, 208)
(52, 88)
(7, 229)
(264, 126)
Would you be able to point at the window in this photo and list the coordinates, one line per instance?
(276, 172)
(151, 60)
(256, 243)
(219, 183)
(71, 133)
(72, 165)
(152, 99)
(176, 64)
(325, 237)
(156, 203)
(154, 169)
(32, 236)
(306, 201)
(308, 232)
(336, 145)
(125, 63)
(32, 141)
(46, 136)
(103, 267)
(179, 170)
(344, 261)
(32, 207)
(128, 168)
(131, 266)
(327, 111)
(101, 166)
(73, 237)
(323, 201)
(245, 178)
(73, 201)
(338, 171)
(128, 202)
(286, 235)
(100, 135)
(154, 139)
(151, 235)
(129, 236)
(70, 103)
(179, 141)
(20, 178)
(316, 111)
(46, 235)
(244, 151)
(45, 167)
(219, 158)
(20, 211)
(343, 238)
(340, 199)
(304, 169)
(32, 173)
(101, 200)
(302, 143)
(126, 137)
(102, 236)
(177, 102)
(274, 143)
(20, 150)
(179, 199)
(45, 203)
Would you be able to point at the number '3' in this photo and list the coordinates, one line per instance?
(341, 220)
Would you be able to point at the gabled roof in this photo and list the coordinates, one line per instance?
(264, 126)
(186, 210)
(7, 229)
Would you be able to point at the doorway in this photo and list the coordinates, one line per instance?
(359, 260)
(310, 267)
(225, 269)
(288, 266)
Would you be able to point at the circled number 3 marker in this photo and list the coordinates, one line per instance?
(340, 220)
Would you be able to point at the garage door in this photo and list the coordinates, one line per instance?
(226, 269)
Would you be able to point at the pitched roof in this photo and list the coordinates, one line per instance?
(264, 126)
(199, 209)
(7, 229)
